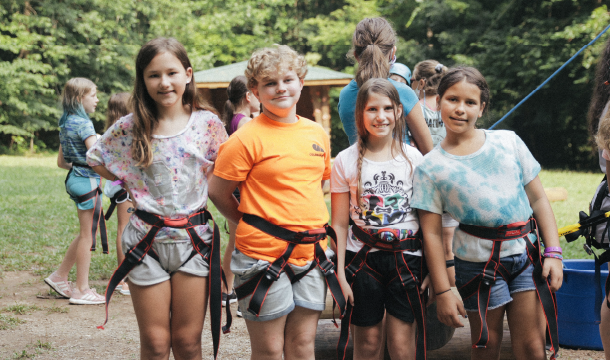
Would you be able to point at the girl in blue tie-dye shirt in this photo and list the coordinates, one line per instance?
(488, 181)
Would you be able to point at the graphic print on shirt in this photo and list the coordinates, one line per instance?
(385, 202)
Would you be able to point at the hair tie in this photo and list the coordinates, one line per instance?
(439, 68)
(607, 83)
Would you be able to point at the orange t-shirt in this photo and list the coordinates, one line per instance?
(281, 168)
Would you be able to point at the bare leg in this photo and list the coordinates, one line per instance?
(226, 260)
(300, 334)
(122, 220)
(189, 302)
(604, 329)
(367, 341)
(401, 338)
(152, 307)
(267, 338)
(527, 326)
(495, 325)
(79, 252)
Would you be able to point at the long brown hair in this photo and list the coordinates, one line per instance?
(119, 105)
(432, 71)
(372, 44)
(381, 87)
(144, 107)
(601, 91)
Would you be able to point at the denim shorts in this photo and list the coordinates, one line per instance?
(500, 291)
(79, 185)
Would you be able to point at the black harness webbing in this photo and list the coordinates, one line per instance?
(210, 253)
(119, 197)
(259, 285)
(481, 284)
(98, 212)
(410, 283)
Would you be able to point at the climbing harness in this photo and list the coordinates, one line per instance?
(549, 78)
(594, 228)
(119, 197)
(397, 243)
(481, 284)
(259, 285)
(98, 212)
(210, 253)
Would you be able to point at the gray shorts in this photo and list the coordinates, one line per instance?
(172, 256)
(448, 221)
(309, 292)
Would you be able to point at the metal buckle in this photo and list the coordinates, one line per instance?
(327, 267)
(273, 274)
(587, 249)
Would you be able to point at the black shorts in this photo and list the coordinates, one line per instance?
(371, 297)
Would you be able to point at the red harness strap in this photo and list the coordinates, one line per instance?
(481, 284)
(210, 253)
(410, 283)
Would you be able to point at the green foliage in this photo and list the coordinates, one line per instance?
(515, 43)
(8, 322)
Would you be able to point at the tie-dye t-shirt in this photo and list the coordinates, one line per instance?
(175, 184)
(72, 136)
(486, 188)
(386, 194)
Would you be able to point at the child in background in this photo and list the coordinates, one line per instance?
(426, 77)
(76, 135)
(374, 48)
(400, 73)
(488, 181)
(279, 161)
(163, 153)
(118, 106)
(372, 183)
(240, 105)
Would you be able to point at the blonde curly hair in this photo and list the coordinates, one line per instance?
(273, 60)
(602, 138)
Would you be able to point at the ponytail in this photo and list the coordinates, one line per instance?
(372, 44)
(236, 91)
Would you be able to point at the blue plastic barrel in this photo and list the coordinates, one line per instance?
(576, 305)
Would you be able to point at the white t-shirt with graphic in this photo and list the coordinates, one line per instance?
(486, 188)
(386, 192)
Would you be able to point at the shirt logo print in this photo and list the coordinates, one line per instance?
(319, 150)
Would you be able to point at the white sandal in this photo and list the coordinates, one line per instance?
(63, 288)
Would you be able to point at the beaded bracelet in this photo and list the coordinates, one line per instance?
(553, 255)
(555, 249)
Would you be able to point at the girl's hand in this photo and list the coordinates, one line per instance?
(347, 290)
(448, 309)
(552, 269)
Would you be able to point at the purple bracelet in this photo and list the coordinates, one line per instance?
(555, 249)
(553, 255)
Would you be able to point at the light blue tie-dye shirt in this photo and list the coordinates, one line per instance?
(486, 188)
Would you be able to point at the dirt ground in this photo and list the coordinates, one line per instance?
(51, 328)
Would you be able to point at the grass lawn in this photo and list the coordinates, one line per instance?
(38, 220)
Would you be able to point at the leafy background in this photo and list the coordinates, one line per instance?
(515, 43)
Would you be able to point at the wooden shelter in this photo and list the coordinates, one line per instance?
(313, 104)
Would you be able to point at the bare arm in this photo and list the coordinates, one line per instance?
(61, 161)
(220, 192)
(340, 221)
(419, 129)
(543, 213)
(449, 306)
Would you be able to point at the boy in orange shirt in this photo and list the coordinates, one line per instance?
(279, 160)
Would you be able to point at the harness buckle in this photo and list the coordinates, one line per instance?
(351, 270)
(327, 267)
(176, 222)
(310, 236)
(272, 273)
(587, 249)
(488, 279)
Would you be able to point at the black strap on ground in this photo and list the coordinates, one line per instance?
(481, 284)
(119, 197)
(404, 274)
(259, 285)
(210, 253)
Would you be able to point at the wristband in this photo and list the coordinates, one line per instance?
(553, 255)
(442, 292)
(449, 263)
(555, 249)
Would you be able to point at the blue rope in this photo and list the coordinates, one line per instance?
(550, 77)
